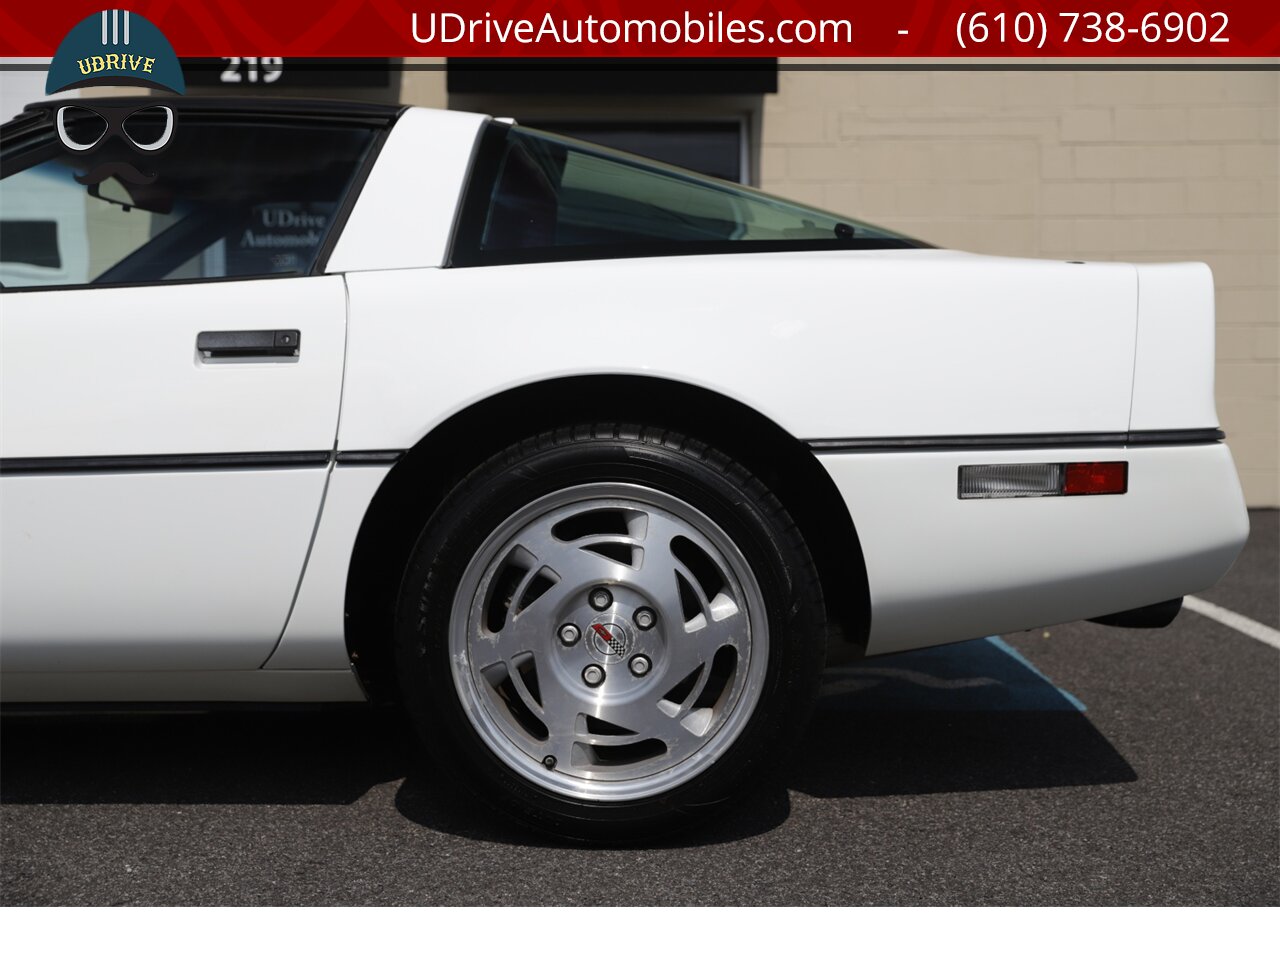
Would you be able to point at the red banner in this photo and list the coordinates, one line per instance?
(1001, 29)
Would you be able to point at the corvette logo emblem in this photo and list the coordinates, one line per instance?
(609, 641)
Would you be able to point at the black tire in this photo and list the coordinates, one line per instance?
(659, 460)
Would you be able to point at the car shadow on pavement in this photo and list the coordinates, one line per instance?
(425, 799)
(223, 756)
(969, 717)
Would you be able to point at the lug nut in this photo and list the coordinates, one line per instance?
(640, 665)
(645, 618)
(601, 598)
(593, 676)
(569, 635)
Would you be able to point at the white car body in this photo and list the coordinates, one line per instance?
(177, 579)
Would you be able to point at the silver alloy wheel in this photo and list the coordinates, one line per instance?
(648, 725)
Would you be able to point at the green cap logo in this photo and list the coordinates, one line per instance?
(115, 47)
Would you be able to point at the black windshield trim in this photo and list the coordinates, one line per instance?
(684, 248)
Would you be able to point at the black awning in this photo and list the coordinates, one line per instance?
(613, 76)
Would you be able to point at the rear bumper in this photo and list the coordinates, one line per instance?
(942, 569)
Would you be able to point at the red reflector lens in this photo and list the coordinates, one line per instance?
(1087, 478)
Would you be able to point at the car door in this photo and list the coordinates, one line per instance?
(170, 375)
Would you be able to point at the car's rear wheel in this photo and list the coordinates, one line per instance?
(606, 631)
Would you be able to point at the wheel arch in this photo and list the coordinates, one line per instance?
(418, 482)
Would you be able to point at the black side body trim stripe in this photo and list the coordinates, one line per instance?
(195, 461)
(317, 458)
(164, 462)
(365, 457)
(1017, 441)
(1208, 435)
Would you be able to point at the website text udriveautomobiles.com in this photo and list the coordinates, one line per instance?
(713, 28)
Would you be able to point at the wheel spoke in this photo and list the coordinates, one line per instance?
(582, 568)
(610, 739)
(646, 718)
(656, 574)
(560, 709)
(597, 539)
(525, 632)
(686, 652)
(523, 691)
(730, 631)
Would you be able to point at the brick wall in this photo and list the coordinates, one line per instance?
(1096, 165)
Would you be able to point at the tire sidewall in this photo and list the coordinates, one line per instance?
(701, 477)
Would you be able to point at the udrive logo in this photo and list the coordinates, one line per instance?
(115, 48)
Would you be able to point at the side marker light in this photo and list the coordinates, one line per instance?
(998, 481)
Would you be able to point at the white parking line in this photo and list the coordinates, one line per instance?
(1259, 631)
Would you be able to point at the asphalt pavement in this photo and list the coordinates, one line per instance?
(1078, 765)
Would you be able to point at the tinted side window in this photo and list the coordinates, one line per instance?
(229, 200)
(537, 196)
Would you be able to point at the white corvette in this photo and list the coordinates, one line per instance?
(586, 460)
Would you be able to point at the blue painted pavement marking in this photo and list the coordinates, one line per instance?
(975, 676)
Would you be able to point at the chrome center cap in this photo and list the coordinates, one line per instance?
(609, 640)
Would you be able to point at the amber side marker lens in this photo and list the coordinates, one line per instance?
(1000, 481)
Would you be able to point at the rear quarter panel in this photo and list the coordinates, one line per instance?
(841, 344)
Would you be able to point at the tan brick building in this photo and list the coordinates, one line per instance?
(1102, 164)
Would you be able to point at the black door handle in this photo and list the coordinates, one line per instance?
(215, 344)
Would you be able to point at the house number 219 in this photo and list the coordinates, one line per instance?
(252, 69)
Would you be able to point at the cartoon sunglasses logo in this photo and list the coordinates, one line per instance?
(83, 129)
(115, 47)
